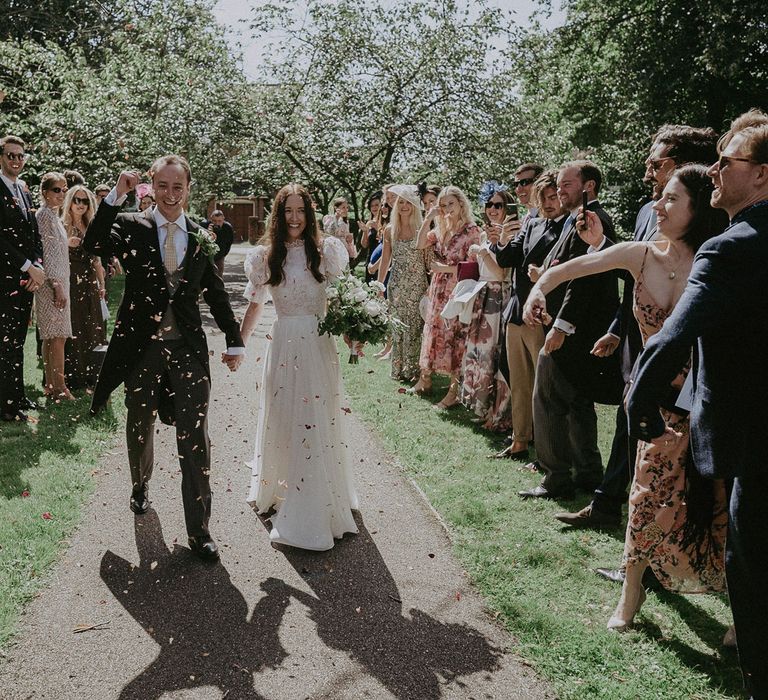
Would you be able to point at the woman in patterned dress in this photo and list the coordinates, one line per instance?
(484, 390)
(52, 306)
(86, 281)
(408, 280)
(443, 344)
(677, 520)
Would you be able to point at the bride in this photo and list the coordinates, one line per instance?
(301, 467)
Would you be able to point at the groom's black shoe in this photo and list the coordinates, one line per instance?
(204, 547)
(140, 499)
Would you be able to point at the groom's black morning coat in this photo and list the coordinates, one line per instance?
(132, 237)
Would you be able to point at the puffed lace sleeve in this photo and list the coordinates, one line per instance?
(257, 272)
(335, 258)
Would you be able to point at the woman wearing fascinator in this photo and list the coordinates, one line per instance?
(484, 389)
(145, 196)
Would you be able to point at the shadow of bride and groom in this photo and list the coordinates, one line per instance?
(200, 620)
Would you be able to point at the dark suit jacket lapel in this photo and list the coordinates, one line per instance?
(557, 250)
(545, 237)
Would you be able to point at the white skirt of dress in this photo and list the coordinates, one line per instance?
(301, 466)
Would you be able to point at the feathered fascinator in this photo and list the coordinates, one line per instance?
(422, 187)
(490, 188)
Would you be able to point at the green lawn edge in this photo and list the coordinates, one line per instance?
(48, 470)
(536, 576)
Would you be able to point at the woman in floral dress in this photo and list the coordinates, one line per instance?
(444, 341)
(677, 520)
(408, 280)
(483, 388)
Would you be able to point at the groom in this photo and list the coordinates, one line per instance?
(158, 348)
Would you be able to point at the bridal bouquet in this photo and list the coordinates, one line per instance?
(356, 311)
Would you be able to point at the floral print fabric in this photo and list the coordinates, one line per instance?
(443, 345)
(657, 505)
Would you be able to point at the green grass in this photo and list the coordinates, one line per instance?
(537, 576)
(46, 467)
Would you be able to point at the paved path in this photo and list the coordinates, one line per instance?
(385, 614)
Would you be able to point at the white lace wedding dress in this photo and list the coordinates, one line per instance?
(301, 466)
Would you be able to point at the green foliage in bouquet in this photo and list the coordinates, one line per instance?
(356, 311)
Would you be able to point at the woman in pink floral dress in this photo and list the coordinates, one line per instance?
(444, 341)
(677, 520)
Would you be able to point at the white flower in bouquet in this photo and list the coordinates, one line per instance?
(372, 308)
(359, 295)
(331, 293)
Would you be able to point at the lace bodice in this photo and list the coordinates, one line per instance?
(299, 294)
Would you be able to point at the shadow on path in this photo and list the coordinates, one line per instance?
(357, 608)
(197, 617)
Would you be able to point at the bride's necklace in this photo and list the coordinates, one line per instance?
(294, 244)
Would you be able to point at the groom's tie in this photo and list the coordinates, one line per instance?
(20, 200)
(171, 262)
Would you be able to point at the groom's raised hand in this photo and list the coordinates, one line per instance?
(127, 182)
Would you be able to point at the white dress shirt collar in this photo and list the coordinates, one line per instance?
(11, 183)
(160, 220)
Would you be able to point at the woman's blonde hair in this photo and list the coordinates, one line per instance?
(415, 219)
(73, 192)
(465, 213)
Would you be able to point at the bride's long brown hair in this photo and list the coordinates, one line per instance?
(277, 235)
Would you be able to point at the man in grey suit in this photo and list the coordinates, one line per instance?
(723, 315)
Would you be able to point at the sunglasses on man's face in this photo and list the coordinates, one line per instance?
(16, 156)
(494, 205)
(58, 190)
(81, 200)
(524, 182)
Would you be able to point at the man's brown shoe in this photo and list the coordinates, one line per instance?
(589, 518)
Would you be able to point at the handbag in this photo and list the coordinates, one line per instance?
(468, 270)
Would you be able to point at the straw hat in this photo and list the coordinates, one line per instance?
(410, 193)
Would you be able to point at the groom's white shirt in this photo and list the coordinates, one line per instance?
(181, 241)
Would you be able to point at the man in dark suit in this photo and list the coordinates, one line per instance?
(521, 342)
(225, 237)
(569, 379)
(723, 314)
(158, 348)
(672, 147)
(21, 273)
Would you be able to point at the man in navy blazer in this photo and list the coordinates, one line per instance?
(21, 273)
(723, 314)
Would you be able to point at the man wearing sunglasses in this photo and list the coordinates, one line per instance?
(723, 315)
(672, 147)
(21, 273)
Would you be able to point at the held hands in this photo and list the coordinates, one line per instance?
(232, 361)
(605, 346)
(127, 182)
(36, 278)
(73, 241)
(590, 229)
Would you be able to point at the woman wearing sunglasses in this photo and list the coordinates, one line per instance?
(484, 389)
(52, 306)
(86, 282)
